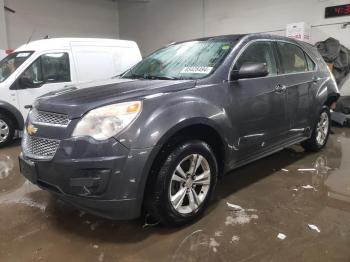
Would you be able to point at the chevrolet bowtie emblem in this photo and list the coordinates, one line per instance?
(31, 130)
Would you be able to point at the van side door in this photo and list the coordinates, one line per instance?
(258, 104)
(299, 77)
(49, 72)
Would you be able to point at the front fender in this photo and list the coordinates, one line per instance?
(164, 116)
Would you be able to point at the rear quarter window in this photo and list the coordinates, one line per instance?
(310, 64)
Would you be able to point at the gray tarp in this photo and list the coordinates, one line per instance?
(338, 55)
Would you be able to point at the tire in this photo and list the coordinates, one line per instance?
(168, 183)
(320, 134)
(7, 130)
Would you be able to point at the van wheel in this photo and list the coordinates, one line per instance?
(183, 187)
(7, 130)
(320, 134)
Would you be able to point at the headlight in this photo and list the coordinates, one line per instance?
(107, 121)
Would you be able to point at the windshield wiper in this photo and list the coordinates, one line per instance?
(160, 77)
(135, 76)
(149, 77)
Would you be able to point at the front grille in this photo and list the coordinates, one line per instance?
(39, 148)
(47, 118)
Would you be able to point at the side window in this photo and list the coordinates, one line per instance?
(56, 67)
(32, 76)
(258, 52)
(310, 64)
(48, 68)
(292, 58)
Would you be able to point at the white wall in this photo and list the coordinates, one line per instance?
(154, 23)
(3, 34)
(60, 18)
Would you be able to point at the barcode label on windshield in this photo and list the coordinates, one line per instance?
(197, 70)
(22, 54)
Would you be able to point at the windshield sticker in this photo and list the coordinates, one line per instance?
(22, 54)
(197, 70)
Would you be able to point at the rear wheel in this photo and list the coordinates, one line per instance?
(320, 134)
(7, 130)
(184, 184)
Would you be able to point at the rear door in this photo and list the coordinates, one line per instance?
(299, 74)
(259, 103)
(49, 72)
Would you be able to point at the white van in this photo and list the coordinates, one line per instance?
(39, 67)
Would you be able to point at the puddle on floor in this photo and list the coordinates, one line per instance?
(270, 193)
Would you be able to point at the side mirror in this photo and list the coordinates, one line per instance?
(250, 70)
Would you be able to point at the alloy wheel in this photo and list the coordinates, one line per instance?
(322, 129)
(190, 183)
(4, 131)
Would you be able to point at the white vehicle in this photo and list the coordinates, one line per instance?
(43, 66)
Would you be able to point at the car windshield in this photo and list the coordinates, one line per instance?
(188, 60)
(11, 62)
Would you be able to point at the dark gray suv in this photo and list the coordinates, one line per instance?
(157, 138)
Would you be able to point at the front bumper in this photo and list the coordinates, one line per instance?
(102, 178)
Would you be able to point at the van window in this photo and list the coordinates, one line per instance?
(258, 52)
(10, 63)
(292, 58)
(48, 68)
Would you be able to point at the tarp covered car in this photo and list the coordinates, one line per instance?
(338, 57)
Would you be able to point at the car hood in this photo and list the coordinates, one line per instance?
(75, 102)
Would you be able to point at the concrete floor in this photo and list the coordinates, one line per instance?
(36, 227)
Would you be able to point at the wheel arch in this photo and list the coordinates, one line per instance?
(331, 98)
(191, 129)
(14, 113)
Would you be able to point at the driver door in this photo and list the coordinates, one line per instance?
(49, 72)
(258, 104)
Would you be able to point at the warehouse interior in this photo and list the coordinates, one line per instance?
(290, 205)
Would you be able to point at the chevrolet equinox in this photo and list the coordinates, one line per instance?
(157, 138)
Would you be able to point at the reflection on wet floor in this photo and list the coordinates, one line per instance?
(266, 211)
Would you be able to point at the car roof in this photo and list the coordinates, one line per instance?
(237, 37)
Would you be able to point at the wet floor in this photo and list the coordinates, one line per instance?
(303, 197)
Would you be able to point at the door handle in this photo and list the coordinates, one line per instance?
(280, 88)
(28, 106)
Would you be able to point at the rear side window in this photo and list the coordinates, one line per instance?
(292, 58)
(310, 64)
(258, 52)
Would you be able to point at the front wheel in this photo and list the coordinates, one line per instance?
(184, 184)
(7, 130)
(320, 134)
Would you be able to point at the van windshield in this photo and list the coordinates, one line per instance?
(188, 60)
(11, 62)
